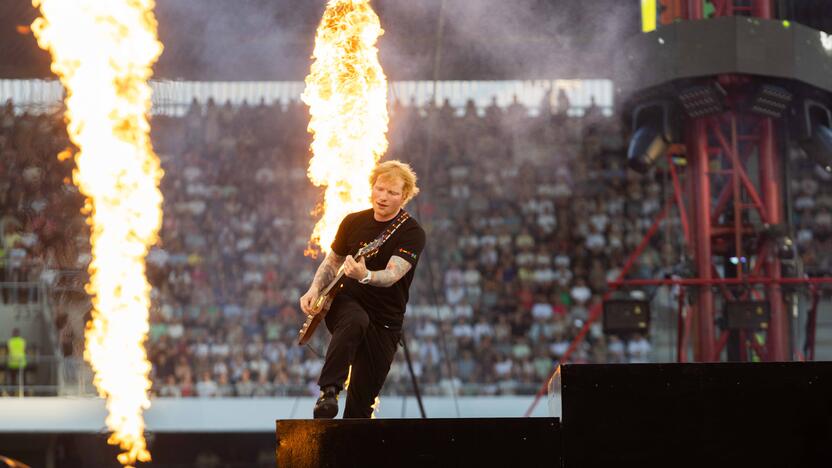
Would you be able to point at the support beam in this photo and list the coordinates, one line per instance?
(695, 9)
(770, 178)
(704, 306)
(761, 9)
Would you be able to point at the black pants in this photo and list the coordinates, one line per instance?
(370, 348)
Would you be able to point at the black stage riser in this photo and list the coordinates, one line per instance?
(718, 414)
(169, 450)
(510, 442)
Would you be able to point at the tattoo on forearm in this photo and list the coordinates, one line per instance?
(327, 270)
(396, 268)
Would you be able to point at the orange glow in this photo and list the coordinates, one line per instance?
(376, 404)
(103, 51)
(346, 92)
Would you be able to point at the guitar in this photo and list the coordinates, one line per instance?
(327, 295)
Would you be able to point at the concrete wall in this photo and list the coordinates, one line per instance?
(237, 414)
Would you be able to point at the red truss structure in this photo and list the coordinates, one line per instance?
(723, 196)
(730, 192)
(732, 201)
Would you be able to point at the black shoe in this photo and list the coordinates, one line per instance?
(327, 405)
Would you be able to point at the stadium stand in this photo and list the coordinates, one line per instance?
(529, 214)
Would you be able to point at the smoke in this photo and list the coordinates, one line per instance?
(482, 39)
(500, 39)
(235, 40)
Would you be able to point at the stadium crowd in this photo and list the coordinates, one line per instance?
(528, 215)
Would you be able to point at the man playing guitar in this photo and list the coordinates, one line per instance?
(366, 315)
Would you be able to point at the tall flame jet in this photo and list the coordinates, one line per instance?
(346, 92)
(103, 51)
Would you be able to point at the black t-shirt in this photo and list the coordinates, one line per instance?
(385, 306)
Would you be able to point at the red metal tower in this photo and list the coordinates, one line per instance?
(719, 147)
(734, 148)
(734, 100)
(726, 94)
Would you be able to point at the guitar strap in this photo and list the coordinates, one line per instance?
(400, 219)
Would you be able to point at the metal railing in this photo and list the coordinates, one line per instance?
(21, 292)
(48, 376)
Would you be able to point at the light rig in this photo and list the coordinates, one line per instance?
(721, 93)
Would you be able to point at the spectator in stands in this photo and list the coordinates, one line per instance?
(16, 358)
(170, 389)
(532, 217)
(638, 349)
(206, 387)
(244, 387)
(224, 387)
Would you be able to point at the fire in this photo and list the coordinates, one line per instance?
(376, 404)
(346, 92)
(349, 376)
(103, 51)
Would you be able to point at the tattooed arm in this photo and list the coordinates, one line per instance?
(327, 271)
(325, 274)
(396, 268)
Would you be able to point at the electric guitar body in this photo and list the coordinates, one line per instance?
(320, 307)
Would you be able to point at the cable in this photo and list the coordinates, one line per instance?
(437, 56)
(294, 408)
(442, 339)
(413, 378)
(314, 351)
(427, 180)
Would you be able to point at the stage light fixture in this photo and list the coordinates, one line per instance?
(646, 146)
(652, 136)
(771, 101)
(816, 138)
(703, 100)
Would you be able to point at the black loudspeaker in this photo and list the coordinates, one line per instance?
(504, 442)
(757, 415)
(626, 316)
(747, 315)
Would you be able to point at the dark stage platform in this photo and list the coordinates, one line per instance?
(520, 442)
(642, 415)
(715, 414)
